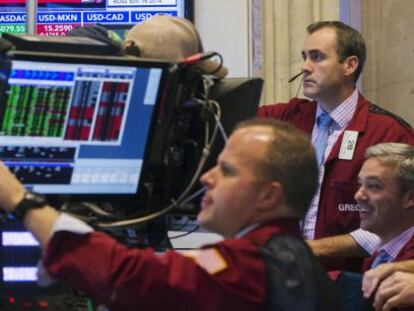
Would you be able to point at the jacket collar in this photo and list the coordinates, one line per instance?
(359, 120)
(261, 234)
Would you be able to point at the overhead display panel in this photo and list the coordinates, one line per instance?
(57, 17)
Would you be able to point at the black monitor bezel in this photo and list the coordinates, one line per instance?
(103, 60)
(189, 10)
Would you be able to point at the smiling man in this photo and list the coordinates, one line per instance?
(254, 199)
(386, 204)
(342, 124)
(386, 201)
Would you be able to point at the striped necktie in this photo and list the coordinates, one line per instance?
(324, 121)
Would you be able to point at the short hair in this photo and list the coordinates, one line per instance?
(349, 42)
(290, 160)
(400, 156)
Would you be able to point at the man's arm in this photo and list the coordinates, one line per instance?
(372, 278)
(39, 221)
(337, 246)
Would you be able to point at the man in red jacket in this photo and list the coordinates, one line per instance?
(334, 56)
(386, 206)
(386, 201)
(252, 199)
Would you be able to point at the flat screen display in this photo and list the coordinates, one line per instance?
(57, 17)
(73, 125)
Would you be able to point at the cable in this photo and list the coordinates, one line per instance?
(295, 77)
(205, 154)
(180, 226)
(300, 84)
(185, 234)
(220, 71)
(91, 207)
(219, 124)
(193, 59)
(216, 111)
(220, 65)
(181, 200)
(143, 219)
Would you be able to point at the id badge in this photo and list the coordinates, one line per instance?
(348, 145)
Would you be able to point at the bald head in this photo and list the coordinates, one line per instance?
(289, 159)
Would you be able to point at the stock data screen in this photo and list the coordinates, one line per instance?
(69, 128)
(57, 17)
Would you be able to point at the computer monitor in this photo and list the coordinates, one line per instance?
(79, 126)
(238, 99)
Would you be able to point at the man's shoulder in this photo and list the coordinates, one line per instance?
(289, 260)
(383, 115)
(407, 252)
(381, 125)
(285, 111)
(260, 235)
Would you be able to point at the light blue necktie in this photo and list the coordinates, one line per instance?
(382, 257)
(324, 121)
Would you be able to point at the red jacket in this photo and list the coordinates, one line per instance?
(375, 125)
(132, 279)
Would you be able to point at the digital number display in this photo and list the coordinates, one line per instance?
(14, 28)
(55, 29)
(57, 17)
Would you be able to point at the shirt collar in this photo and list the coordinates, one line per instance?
(285, 225)
(394, 246)
(342, 114)
(246, 230)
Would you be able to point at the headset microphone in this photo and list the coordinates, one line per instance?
(295, 77)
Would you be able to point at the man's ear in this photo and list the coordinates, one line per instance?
(409, 199)
(350, 65)
(271, 195)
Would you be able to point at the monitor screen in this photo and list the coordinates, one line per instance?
(238, 99)
(57, 17)
(77, 125)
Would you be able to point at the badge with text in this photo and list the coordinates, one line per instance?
(348, 145)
